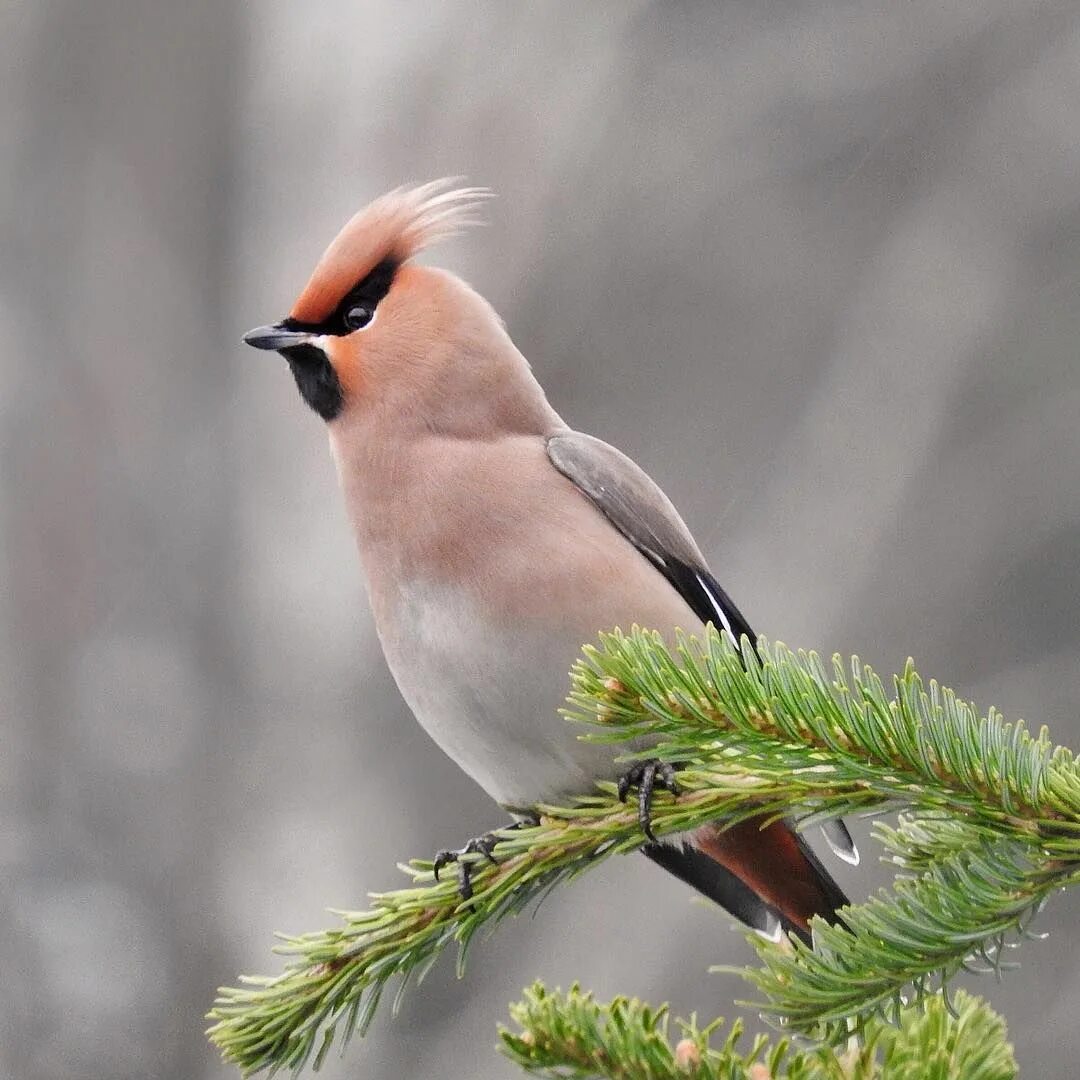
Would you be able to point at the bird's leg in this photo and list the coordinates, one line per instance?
(483, 845)
(646, 776)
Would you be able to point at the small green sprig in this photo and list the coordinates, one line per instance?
(573, 1037)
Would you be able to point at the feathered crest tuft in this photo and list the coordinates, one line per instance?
(395, 227)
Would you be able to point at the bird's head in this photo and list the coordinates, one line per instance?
(372, 327)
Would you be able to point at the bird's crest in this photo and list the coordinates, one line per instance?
(393, 228)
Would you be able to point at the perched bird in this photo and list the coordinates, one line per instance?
(495, 540)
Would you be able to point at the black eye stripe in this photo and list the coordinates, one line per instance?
(366, 293)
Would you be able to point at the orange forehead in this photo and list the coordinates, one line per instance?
(394, 227)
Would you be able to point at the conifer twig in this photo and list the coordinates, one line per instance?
(337, 977)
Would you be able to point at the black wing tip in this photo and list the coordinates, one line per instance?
(707, 598)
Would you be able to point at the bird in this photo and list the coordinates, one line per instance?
(495, 541)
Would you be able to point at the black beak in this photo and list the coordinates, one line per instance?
(275, 337)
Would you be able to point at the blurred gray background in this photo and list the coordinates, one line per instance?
(814, 265)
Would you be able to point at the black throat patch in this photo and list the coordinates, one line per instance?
(316, 379)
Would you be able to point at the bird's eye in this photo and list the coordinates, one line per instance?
(358, 316)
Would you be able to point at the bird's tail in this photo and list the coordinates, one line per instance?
(767, 877)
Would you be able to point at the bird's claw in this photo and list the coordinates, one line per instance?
(483, 845)
(646, 776)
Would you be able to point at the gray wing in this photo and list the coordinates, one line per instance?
(628, 497)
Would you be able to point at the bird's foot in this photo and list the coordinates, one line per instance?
(646, 776)
(481, 845)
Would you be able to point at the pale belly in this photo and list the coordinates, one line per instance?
(489, 696)
(483, 602)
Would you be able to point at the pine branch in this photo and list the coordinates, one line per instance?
(572, 1037)
(994, 828)
(336, 978)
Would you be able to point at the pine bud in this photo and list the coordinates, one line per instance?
(614, 688)
(687, 1055)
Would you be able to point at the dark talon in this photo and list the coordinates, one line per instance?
(482, 845)
(441, 859)
(645, 776)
